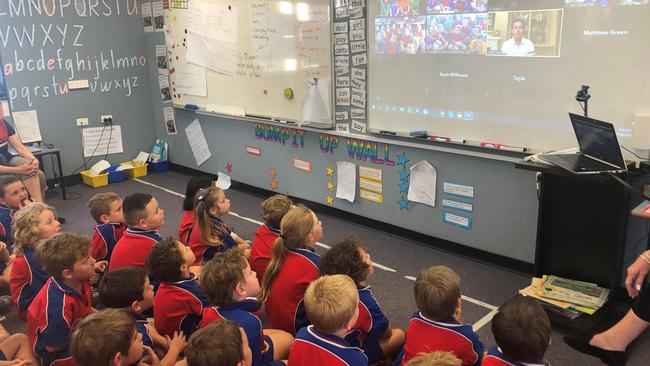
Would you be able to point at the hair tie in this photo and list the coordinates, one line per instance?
(200, 198)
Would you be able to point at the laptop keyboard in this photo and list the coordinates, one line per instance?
(578, 160)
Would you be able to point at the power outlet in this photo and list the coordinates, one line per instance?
(82, 122)
(106, 119)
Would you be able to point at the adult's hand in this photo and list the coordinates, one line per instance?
(636, 274)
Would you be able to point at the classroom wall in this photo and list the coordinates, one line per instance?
(45, 44)
(504, 217)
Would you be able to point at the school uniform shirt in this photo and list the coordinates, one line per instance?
(133, 248)
(313, 348)
(203, 251)
(6, 217)
(242, 313)
(426, 335)
(51, 316)
(261, 252)
(105, 236)
(284, 306)
(496, 358)
(185, 226)
(370, 326)
(141, 327)
(6, 235)
(178, 306)
(26, 279)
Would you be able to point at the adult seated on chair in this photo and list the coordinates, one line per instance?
(24, 165)
(611, 345)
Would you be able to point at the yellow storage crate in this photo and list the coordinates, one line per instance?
(137, 171)
(94, 181)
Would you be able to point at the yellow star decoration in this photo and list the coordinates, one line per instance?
(330, 185)
(329, 199)
(330, 171)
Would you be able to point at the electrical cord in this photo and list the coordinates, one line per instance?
(632, 152)
(92, 155)
(627, 185)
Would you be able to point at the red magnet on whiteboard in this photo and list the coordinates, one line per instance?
(266, 92)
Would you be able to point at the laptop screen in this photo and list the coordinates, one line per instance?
(597, 139)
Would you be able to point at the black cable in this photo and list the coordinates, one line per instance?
(628, 185)
(91, 155)
(632, 152)
(110, 135)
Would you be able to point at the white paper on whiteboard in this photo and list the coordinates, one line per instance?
(190, 79)
(422, 185)
(216, 55)
(102, 140)
(213, 21)
(197, 142)
(346, 180)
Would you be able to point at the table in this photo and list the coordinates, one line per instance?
(56, 152)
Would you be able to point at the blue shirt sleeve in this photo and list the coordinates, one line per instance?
(57, 331)
(379, 320)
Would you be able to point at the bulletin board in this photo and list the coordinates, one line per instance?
(248, 57)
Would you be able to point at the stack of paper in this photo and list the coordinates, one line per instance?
(568, 298)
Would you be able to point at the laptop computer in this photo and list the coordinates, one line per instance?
(599, 150)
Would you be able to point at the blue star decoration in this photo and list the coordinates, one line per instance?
(403, 187)
(403, 175)
(401, 159)
(403, 204)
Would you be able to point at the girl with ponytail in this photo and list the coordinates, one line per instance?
(210, 235)
(293, 267)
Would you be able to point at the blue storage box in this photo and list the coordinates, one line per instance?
(114, 175)
(159, 167)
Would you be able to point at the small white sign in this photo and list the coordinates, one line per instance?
(359, 59)
(358, 113)
(343, 127)
(358, 35)
(341, 116)
(341, 49)
(341, 38)
(458, 189)
(341, 27)
(359, 46)
(356, 24)
(359, 126)
(356, 83)
(341, 61)
(358, 73)
(341, 70)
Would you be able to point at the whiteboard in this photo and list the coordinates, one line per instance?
(276, 45)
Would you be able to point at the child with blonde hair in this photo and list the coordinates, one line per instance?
(31, 224)
(332, 304)
(211, 235)
(293, 267)
(371, 331)
(273, 210)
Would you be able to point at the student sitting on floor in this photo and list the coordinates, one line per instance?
(31, 224)
(332, 304)
(437, 358)
(273, 210)
(179, 301)
(437, 325)
(221, 343)
(371, 331)
(231, 287)
(293, 267)
(189, 219)
(129, 288)
(144, 217)
(523, 333)
(63, 300)
(211, 235)
(13, 197)
(106, 210)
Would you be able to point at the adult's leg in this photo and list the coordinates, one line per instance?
(618, 337)
(35, 184)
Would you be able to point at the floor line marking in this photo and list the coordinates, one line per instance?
(484, 320)
(467, 298)
(380, 266)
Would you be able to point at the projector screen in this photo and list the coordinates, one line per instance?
(507, 71)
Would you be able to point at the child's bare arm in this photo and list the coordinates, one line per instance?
(156, 337)
(176, 346)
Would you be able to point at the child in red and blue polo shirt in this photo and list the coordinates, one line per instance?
(188, 220)
(231, 286)
(144, 217)
(273, 210)
(293, 267)
(179, 302)
(522, 331)
(437, 325)
(332, 304)
(31, 224)
(106, 210)
(63, 300)
(371, 331)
